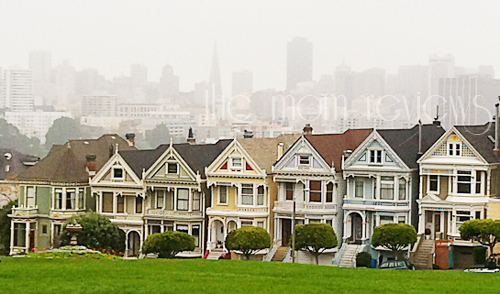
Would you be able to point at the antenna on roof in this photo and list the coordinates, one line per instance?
(116, 149)
(171, 141)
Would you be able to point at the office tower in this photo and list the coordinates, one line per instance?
(214, 82)
(169, 84)
(65, 81)
(139, 74)
(344, 84)
(299, 62)
(41, 65)
(440, 68)
(17, 93)
(242, 83)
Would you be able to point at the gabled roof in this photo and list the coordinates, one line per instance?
(405, 141)
(17, 162)
(264, 151)
(67, 163)
(197, 156)
(332, 146)
(478, 137)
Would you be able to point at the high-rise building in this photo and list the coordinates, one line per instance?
(17, 93)
(344, 83)
(99, 105)
(440, 68)
(214, 82)
(41, 65)
(169, 84)
(242, 83)
(65, 81)
(299, 62)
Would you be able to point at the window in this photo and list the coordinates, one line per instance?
(386, 219)
(478, 215)
(454, 149)
(195, 232)
(315, 191)
(107, 202)
(433, 183)
(120, 204)
(247, 194)
(70, 198)
(479, 179)
(222, 195)
(359, 188)
(58, 199)
(462, 216)
(160, 199)
(260, 224)
(402, 189)
(19, 234)
(314, 221)
(81, 198)
(196, 201)
(44, 229)
(289, 187)
(172, 168)
(375, 156)
(387, 188)
(260, 195)
(304, 160)
(246, 223)
(182, 199)
(138, 204)
(118, 173)
(30, 196)
(329, 192)
(401, 219)
(183, 228)
(169, 200)
(464, 182)
(236, 162)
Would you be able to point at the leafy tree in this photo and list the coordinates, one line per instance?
(484, 231)
(168, 244)
(315, 238)
(5, 226)
(98, 232)
(394, 237)
(248, 240)
(10, 137)
(62, 130)
(159, 135)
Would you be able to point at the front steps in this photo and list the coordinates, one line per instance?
(349, 256)
(215, 254)
(423, 255)
(280, 253)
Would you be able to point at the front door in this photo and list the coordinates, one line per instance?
(134, 243)
(286, 227)
(357, 229)
(32, 240)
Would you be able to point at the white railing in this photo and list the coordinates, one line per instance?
(340, 253)
(288, 205)
(288, 256)
(270, 255)
(252, 209)
(128, 217)
(25, 211)
(162, 212)
(377, 202)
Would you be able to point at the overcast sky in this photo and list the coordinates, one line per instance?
(111, 35)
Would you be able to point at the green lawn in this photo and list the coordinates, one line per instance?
(22, 275)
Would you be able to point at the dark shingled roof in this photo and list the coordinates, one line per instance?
(405, 141)
(478, 138)
(197, 156)
(17, 162)
(332, 146)
(67, 163)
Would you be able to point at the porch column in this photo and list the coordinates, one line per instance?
(126, 244)
(11, 236)
(27, 235)
(421, 220)
(344, 237)
(453, 221)
(190, 200)
(442, 225)
(224, 225)
(175, 199)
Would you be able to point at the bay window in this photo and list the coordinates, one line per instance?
(329, 192)
(222, 195)
(70, 198)
(120, 204)
(359, 188)
(138, 204)
(196, 201)
(464, 182)
(160, 199)
(433, 183)
(20, 234)
(107, 202)
(169, 200)
(386, 219)
(58, 199)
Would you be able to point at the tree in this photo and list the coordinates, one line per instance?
(315, 238)
(159, 135)
(10, 137)
(168, 244)
(484, 231)
(98, 232)
(5, 225)
(394, 237)
(248, 240)
(62, 130)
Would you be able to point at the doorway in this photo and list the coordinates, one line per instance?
(286, 229)
(134, 243)
(357, 228)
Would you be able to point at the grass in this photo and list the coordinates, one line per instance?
(25, 275)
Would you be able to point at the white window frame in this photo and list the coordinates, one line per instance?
(219, 194)
(454, 148)
(113, 173)
(263, 195)
(471, 181)
(26, 196)
(253, 194)
(236, 167)
(362, 180)
(303, 156)
(375, 151)
(388, 182)
(429, 183)
(177, 168)
(156, 198)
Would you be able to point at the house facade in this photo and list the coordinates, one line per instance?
(12, 164)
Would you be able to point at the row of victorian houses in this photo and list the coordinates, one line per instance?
(424, 176)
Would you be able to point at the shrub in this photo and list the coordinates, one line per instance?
(315, 238)
(98, 232)
(484, 231)
(479, 254)
(394, 237)
(5, 226)
(435, 266)
(168, 244)
(248, 240)
(363, 259)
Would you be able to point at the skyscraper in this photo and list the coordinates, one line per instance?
(440, 68)
(299, 62)
(17, 90)
(169, 84)
(214, 83)
(41, 65)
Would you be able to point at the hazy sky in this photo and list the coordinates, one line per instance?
(110, 35)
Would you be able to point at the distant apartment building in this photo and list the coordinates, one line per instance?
(137, 110)
(34, 124)
(99, 105)
(299, 62)
(17, 90)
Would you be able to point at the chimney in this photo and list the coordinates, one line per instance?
(436, 121)
(307, 130)
(420, 137)
(247, 134)
(131, 139)
(91, 164)
(281, 150)
(496, 150)
(191, 139)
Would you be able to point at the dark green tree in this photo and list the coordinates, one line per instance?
(159, 135)
(98, 232)
(10, 137)
(484, 231)
(394, 237)
(248, 240)
(5, 226)
(315, 238)
(62, 130)
(168, 244)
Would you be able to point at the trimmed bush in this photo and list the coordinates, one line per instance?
(315, 238)
(394, 237)
(168, 244)
(248, 240)
(484, 231)
(363, 259)
(479, 255)
(5, 227)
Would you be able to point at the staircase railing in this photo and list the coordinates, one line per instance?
(340, 253)
(272, 252)
(413, 251)
(359, 249)
(288, 256)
